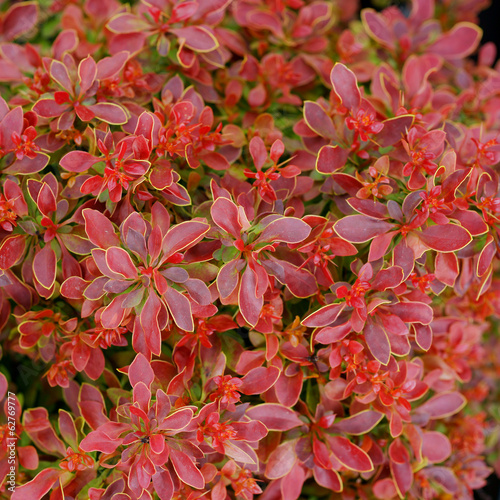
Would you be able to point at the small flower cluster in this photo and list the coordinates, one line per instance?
(249, 249)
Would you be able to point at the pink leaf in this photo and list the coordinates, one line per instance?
(183, 235)
(196, 38)
(45, 266)
(318, 121)
(378, 342)
(259, 380)
(345, 86)
(99, 229)
(225, 214)
(180, 309)
(443, 405)
(39, 486)
(274, 416)
(360, 228)
(447, 238)
(286, 229)
(458, 43)
(250, 304)
(350, 455)
(140, 371)
(186, 470)
(324, 316)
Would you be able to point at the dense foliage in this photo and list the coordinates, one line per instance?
(248, 248)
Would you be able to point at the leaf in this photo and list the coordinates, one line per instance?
(11, 250)
(180, 309)
(345, 85)
(127, 23)
(186, 470)
(394, 130)
(350, 455)
(119, 261)
(378, 342)
(360, 228)
(225, 214)
(324, 316)
(274, 416)
(99, 229)
(331, 159)
(281, 460)
(446, 268)
(285, 229)
(87, 72)
(182, 236)
(78, 161)
(318, 121)
(45, 266)
(413, 312)
(436, 447)
(328, 478)
(259, 380)
(196, 38)
(250, 304)
(258, 152)
(109, 112)
(461, 41)
(19, 19)
(140, 371)
(445, 238)
(39, 486)
(443, 405)
(358, 424)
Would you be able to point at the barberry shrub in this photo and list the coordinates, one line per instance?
(248, 249)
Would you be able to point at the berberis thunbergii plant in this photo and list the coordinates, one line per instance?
(248, 249)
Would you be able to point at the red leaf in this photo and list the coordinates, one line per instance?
(196, 38)
(413, 312)
(378, 342)
(77, 161)
(446, 268)
(328, 478)
(350, 455)
(180, 309)
(318, 121)
(324, 316)
(358, 424)
(109, 112)
(19, 19)
(259, 380)
(281, 460)
(225, 214)
(274, 416)
(120, 262)
(446, 238)
(87, 72)
(38, 486)
(436, 447)
(140, 371)
(345, 86)
(360, 228)
(149, 322)
(11, 250)
(182, 236)
(258, 151)
(45, 266)
(458, 43)
(250, 304)
(186, 470)
(286, 229)
(99, 229)
(443, 405)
